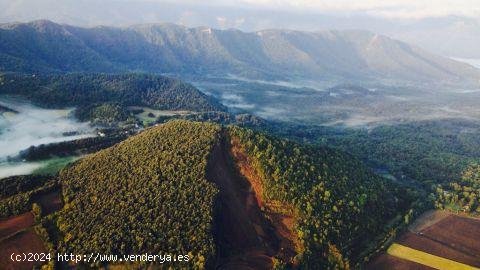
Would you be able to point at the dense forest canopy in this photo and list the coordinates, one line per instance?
(146, 194)
(19, 192)
(343, 207)
(17, 184)
(105, 113)
(131, 89)
(430, 151)
(462, 194)
(431, 157)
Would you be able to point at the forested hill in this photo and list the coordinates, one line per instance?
(153, 91)
(343, 210)
(154, 193)
(147, 194)
(44, 46)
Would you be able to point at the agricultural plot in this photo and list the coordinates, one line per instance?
(436, 262)
(386, 261)
(436, 240)
(17, 234)
(22, 242)
(14, 224)
(434, 247)
(463, 234)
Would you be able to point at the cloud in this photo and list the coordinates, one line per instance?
(189, 17)
(224, 22)
(381, 8)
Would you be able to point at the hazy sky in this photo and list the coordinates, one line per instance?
(391, 9)
(383, 8)
(446, 27)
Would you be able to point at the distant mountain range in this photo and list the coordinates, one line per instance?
(44, 46)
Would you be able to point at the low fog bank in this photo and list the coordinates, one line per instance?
(18, 168)
(349, 105)
(30, 125)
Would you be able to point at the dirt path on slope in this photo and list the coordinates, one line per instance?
(244, 237)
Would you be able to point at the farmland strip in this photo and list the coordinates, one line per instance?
(424, 258)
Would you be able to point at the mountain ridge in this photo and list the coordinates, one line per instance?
(272, 54)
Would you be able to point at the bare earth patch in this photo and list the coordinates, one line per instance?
(427, 219)
(247, 234)
(14, 224)
(22, 242)
(50, 202)
(280, 215)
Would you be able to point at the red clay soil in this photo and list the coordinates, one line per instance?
(458, 233)
(14, 224)
(245, 238)
(422, 243)
(22, 242)
(283, 223)
(50, 202)
(388, 262)
(243, 165)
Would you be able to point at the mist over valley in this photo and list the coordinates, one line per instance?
(351, 105)
(26, 125)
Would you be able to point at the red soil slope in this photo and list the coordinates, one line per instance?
(281, 221)
(245, 237)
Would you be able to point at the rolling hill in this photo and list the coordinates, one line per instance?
(228, 197)
(85, 90)
(44, 46)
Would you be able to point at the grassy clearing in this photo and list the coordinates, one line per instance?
(54, 165)
(150, 115)
(424, 258)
